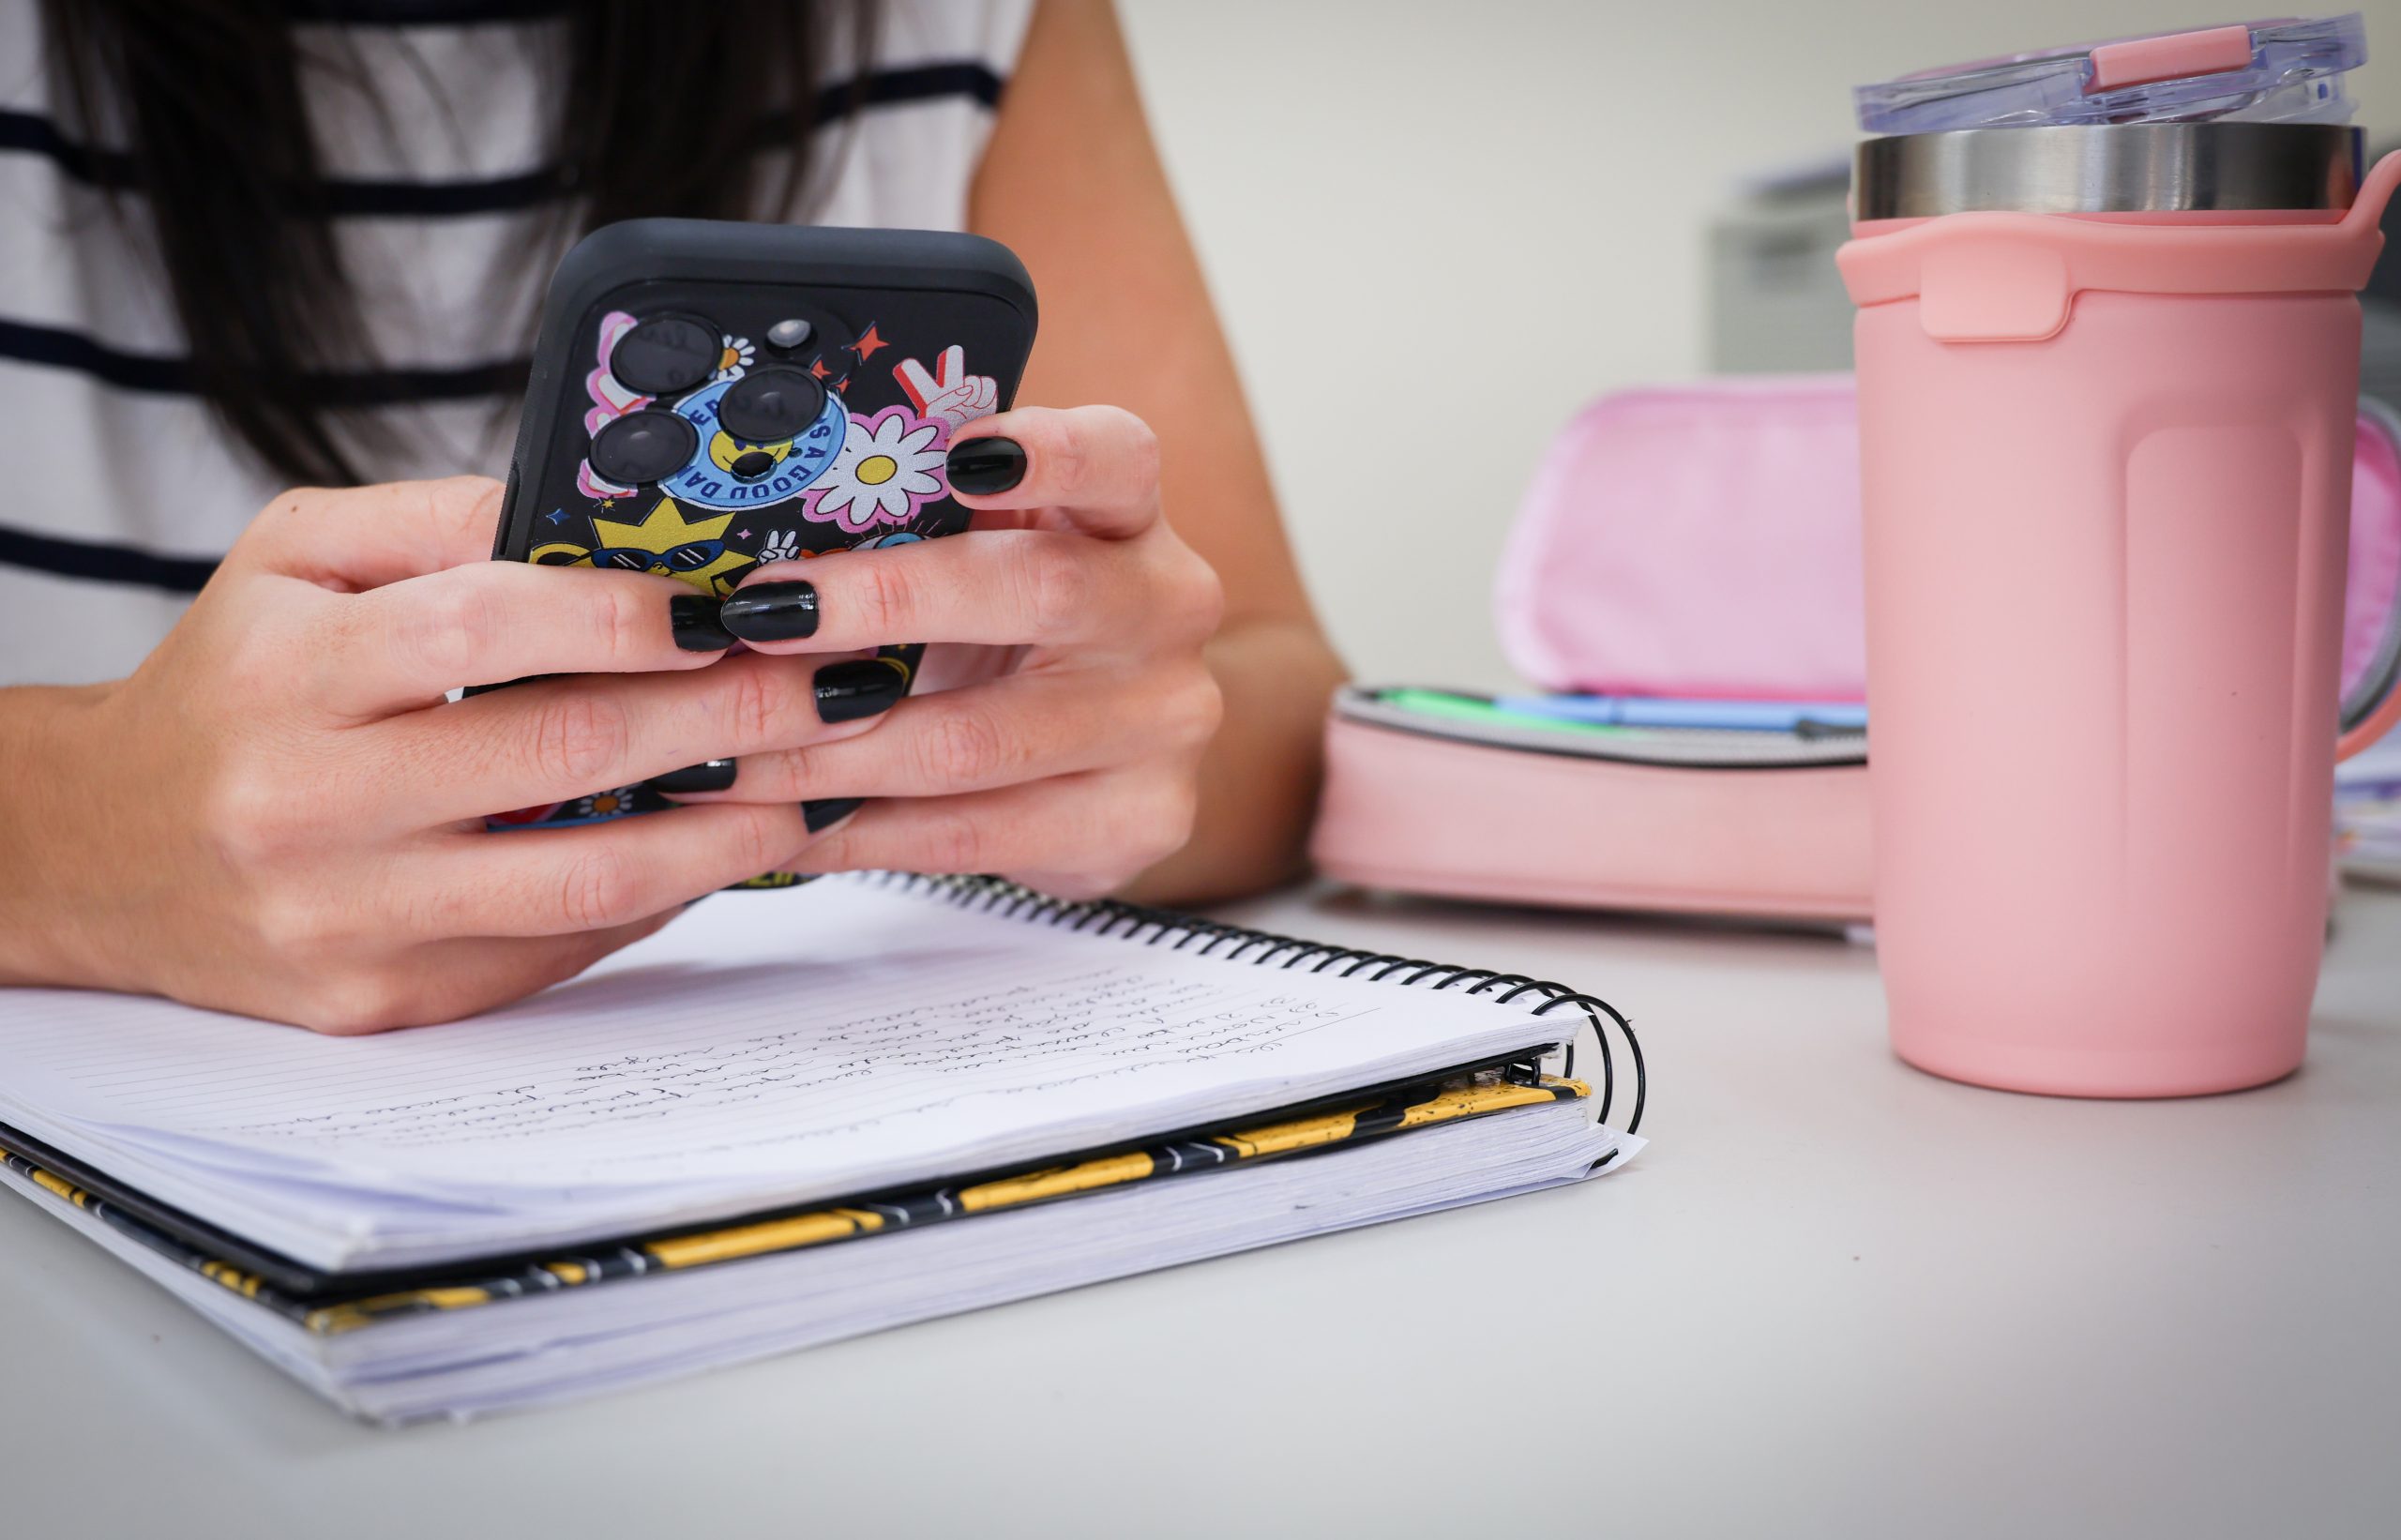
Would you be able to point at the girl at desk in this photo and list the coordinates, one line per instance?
(249, 794)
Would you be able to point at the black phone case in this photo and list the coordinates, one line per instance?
(911, 334)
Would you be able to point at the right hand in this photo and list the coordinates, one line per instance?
(279, 814)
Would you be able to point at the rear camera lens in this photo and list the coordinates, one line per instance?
(666, 353)
(750, 464)
(770, 405)
(643, 446)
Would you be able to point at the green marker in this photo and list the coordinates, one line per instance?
(1475, 708)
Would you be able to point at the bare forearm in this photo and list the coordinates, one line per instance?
(1259, 783)
(37, 829)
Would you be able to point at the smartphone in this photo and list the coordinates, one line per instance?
(707, 396)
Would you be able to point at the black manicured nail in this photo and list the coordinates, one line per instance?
(707, 775)
(848, 691)
(693, 618)
(772, 612)
(826, 813)
(980, 467)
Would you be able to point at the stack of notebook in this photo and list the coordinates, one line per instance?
(789, 1118)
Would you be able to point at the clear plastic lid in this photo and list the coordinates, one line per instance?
(2280, 71)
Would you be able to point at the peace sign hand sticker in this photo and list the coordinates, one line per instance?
(949, 395)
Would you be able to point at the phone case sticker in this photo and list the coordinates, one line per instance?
(668, 540)
(947, 393)
(709, 479)
(890, 466)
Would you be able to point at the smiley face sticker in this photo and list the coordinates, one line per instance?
(732, 473)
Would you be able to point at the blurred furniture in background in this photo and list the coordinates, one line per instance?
(1775, 303)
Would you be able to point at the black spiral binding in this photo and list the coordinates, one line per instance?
(1111, 917)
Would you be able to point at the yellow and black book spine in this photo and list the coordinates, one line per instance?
(1419, 1107)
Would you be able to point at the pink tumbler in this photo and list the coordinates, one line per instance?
(2108, 363)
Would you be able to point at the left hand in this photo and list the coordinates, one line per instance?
(1071, 766)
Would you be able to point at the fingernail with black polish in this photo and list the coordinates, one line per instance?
(980, 467)
(826, 813)
(693, 618)
(772, 612)
(707, 775)
(848, 691)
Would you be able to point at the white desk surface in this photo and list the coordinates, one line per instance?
(1834, 1297)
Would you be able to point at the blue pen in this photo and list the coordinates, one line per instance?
(1801, 716)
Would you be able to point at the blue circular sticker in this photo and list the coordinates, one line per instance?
(709, 479)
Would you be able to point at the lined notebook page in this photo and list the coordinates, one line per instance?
(767, 1047)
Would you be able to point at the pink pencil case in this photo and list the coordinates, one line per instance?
(1699, 542)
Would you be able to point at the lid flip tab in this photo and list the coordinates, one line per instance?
(2180, 55)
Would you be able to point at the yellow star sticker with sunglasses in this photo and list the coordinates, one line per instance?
(664, 541)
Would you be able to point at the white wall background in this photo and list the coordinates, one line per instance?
(1434, 229)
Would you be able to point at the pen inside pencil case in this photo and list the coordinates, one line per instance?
(1496, 722)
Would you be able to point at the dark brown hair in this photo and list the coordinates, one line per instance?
(672, 104)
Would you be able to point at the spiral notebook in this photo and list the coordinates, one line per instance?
(789, 1118)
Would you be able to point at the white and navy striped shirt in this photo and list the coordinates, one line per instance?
(125, 489)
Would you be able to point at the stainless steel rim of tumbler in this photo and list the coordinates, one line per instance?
(2110, 169)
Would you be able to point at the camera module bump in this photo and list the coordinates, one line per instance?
(665, 354)
(770, 405)
(643, 446)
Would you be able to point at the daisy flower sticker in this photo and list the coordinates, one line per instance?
(888, 468)
(606, 803)
(735, 357)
